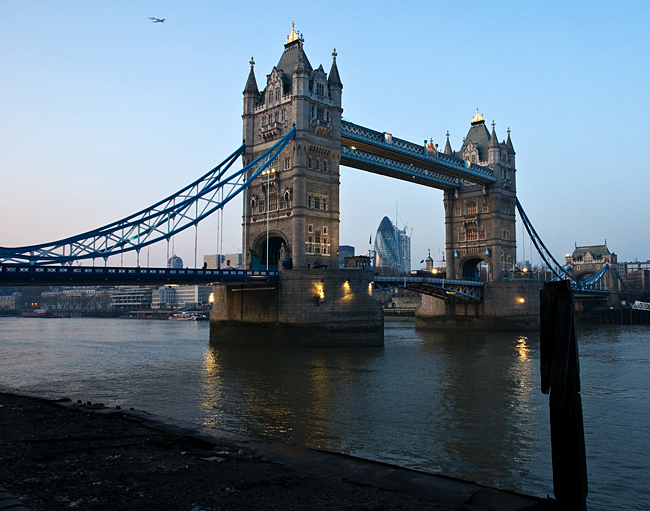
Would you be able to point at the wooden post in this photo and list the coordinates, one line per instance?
(560, 368)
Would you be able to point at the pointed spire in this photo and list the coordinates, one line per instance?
(494, 142)
(511, 149)
(300, 62)
(334, 78)
(448, 146)
(251, 83)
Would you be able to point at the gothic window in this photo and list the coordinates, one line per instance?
(505, 234)
(317, 242)
(481, 234)
(260, 206)
(310, 203)
(485, 207)
(320, 114)
(324, 204)
(473, 158)
(277, 94)
(505, 208)
(457, 212)
(310, 228)
(273, 201)
(325, 231)
(472, 235)
(471, 208)
(310, 245)
(320, 90)
(316, 202)
(287, 163)
(309, 162)
(317, 163)
(324, 165)
(461, 236)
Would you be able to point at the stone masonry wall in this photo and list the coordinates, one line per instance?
(501, 308)
(309, 307)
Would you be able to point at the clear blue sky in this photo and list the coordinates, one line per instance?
(104, 113)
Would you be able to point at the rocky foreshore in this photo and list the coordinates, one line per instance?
(56, 454)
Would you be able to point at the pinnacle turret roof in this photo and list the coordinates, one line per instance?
(251, 83)
(448, 149)
(511, 149)
(494, 142)
(334, 78)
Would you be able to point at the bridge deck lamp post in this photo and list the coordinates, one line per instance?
(268, 173)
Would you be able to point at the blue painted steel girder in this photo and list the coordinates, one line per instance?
(447, 289)
(377, 164)
(357, 137)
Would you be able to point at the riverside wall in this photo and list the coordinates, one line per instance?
(506, 305)
(323, 308)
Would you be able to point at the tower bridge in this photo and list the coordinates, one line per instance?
(295, 141)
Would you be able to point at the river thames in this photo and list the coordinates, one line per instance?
(464, 404)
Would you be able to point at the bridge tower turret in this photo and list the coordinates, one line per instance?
(480, 220)
(296, 205)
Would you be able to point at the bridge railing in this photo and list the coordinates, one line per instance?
(109, 273)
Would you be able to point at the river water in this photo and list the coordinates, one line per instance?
(465, 404)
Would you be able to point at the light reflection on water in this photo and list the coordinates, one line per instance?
(466, 404)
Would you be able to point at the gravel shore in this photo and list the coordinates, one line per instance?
(55, 454)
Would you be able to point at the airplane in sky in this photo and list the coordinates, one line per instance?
(157, 20)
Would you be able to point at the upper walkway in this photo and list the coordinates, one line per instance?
(381, 153)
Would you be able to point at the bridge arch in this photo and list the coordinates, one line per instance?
(474, 268)
(277, 243)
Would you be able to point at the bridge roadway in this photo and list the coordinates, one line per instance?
(381, 153)
(26, 275)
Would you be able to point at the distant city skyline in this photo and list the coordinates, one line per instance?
(105, 113)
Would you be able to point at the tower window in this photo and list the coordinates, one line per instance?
(320, 90)
(287, 163)
(320, 114)
(309, 162)
(324, 165)
(471, 208)
(317, 163)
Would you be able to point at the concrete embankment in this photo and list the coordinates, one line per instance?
(55, 453)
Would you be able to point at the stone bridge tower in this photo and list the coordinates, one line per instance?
(300, 195)
(480, 220)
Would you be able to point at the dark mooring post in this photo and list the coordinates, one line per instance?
(561, 376)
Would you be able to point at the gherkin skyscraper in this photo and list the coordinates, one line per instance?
(392, 247)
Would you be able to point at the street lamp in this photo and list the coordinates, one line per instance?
(268, 173)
